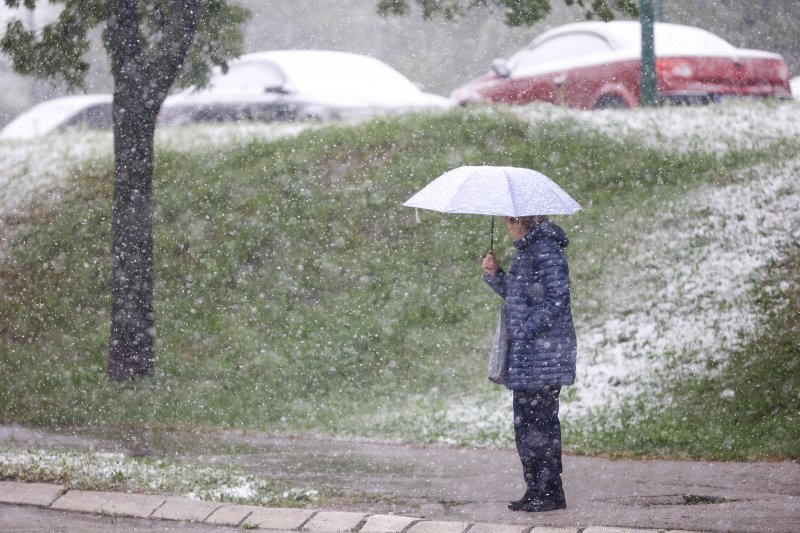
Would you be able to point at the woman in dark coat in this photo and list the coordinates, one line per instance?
(542, 350)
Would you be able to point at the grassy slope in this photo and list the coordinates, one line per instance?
(747, 410)
(294, 293)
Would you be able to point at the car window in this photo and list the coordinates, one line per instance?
(560, 48)
(249, 77)
(96, 117)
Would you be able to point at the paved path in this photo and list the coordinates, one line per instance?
(167, 508)
(421, 489)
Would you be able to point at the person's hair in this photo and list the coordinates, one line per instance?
(530, 222)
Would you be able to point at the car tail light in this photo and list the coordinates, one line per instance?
(674, 67)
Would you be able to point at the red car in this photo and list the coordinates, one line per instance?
(595, 65)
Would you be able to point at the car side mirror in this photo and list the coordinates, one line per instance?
(500, 67)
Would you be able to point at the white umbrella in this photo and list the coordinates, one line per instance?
(492, 190)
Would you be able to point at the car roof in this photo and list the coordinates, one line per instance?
(327, 77)
(46, 116)
(670, 39)
(307, 68)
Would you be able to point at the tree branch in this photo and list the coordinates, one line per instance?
(178, 36)
(517, 12)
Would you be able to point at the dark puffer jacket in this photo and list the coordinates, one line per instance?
(536, 290)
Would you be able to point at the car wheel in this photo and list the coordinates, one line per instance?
(610, 101)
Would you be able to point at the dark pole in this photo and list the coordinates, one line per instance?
(648, 84)
(491, 241)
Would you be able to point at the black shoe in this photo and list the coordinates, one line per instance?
(538, 505)
(519, 504)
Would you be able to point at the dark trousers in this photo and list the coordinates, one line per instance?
(537, 432)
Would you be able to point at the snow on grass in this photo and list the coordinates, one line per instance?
(105, 471)
(32, 170)
(679, 299)
(719, 128)
(684, 296)
(200, 137)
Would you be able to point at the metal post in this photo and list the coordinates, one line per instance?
(648, 83)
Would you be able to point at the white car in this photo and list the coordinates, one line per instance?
(87, 111)
(794, 83)
(288, 85)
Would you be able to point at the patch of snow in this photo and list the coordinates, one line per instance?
(30, 170)
(718, 128)
(718, 240)
(95, 470)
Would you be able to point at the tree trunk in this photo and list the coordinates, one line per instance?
(132, 328)
(140, 87)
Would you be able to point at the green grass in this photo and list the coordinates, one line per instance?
(294, 293)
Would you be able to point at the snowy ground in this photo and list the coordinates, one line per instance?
(30, 170)
(114, 470)
(713, 128)
(718, 241)
(715, 243)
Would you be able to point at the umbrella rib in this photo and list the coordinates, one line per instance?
(510, 193)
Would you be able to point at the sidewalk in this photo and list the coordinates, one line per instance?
(251, 517)
(385, 486)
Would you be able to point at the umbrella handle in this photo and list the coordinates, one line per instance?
(491, 239)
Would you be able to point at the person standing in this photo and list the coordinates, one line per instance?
(542, 351)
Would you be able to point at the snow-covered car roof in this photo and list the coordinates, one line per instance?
(47, 116)
(331, 78)
(669, 39)
(623, 41)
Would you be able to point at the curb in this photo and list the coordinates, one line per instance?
(173, 508)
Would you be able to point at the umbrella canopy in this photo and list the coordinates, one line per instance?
(491, 190)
